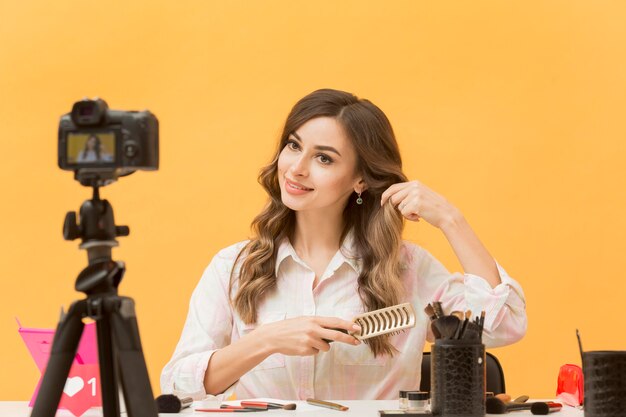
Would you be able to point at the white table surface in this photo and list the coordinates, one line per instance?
(357, 408)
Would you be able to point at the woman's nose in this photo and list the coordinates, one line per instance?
(299, 167)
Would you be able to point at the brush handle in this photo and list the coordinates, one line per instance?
(262, 405)
(255, 404)
(326, 404)
(227, 410)
(580, 345)
(537, 406)
(518, 406)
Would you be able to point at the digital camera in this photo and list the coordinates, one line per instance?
(100, 144)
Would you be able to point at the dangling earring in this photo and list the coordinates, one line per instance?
(359, 200)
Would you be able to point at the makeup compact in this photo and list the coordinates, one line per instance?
(403, 401)
(417, 401)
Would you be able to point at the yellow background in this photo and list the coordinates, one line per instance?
(514, 110)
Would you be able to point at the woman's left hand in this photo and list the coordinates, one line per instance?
(414, 200)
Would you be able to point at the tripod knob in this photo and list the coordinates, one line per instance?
(122, 231)
(71, 230)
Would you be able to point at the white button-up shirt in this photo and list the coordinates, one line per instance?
(344, 372)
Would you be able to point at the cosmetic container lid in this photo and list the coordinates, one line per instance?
(403, 393)
(418, 396)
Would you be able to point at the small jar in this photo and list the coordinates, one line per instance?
(404, 401)
(417, 400)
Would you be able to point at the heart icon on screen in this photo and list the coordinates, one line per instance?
(73, 386)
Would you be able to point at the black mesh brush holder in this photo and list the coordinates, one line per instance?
(605, 383)
(457, 384)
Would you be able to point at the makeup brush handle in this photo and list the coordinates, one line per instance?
(518, 406)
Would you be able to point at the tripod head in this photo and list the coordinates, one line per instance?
(97, 231)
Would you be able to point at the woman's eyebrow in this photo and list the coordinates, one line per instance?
(318, 147)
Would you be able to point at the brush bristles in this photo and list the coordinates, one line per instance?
(168, 403)
(494, 405)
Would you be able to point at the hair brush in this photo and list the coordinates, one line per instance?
(394, 319)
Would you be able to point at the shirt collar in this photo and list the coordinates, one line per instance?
(346, 254)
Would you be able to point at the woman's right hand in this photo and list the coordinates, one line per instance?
(303, 336)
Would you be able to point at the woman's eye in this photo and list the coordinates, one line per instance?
(293, 145)
(324, 159)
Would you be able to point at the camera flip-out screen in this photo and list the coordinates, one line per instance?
(91, 148)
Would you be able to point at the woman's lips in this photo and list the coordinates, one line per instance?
(295, 188)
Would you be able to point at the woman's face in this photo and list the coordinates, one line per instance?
(317, 167)
(91, 143)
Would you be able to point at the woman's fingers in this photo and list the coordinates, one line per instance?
(336, 329)
(407, 200)
(401, 197)
(416, 201)
(338, 335)
(309, 335)
(397, 192)
(337, 323)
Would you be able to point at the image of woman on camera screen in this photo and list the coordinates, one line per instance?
(93, 151)
(328, 246)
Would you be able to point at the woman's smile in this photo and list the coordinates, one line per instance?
(295, 188)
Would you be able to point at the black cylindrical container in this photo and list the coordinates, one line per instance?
(605, 383)
(457, 378)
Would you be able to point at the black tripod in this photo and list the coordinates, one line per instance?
(119, 348)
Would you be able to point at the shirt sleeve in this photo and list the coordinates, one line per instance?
(208, 327)
(504, 305)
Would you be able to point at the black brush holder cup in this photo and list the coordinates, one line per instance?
(605, 383)
(457, 384)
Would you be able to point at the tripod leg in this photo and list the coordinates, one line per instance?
(62, 355)
(135, 381)
(108, 367)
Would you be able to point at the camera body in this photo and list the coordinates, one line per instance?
(100, 144)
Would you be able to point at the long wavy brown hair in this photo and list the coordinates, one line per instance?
(377, 230)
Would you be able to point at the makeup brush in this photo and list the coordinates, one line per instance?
(461, 330)
(506, 398)
(540, 408)
(430, 312)
(481, 322)
(471, 332)
(580, 344)
(458, 314)
(494, 405)
(502, 397)
(169, 403)
(521, 399)
(231, 409)
(266, 405)
(447, 326)
(438, 309)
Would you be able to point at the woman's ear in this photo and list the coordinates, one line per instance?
(360, 186)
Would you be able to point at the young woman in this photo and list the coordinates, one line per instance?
(327, 247)
(93, 151)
